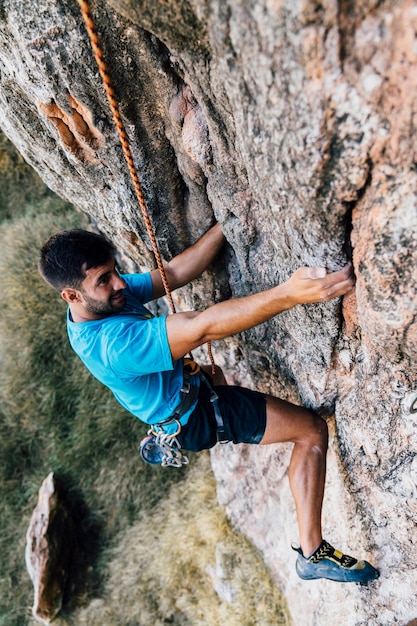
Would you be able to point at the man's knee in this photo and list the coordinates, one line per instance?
(319, 430)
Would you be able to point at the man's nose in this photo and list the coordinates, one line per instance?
(118, 282)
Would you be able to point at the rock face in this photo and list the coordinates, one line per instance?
(48, 551)
(293, 124)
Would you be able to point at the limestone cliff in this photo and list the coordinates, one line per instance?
(293, 124)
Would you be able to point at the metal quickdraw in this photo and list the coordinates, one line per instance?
(162, 449)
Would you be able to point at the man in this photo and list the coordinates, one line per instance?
(141, 359)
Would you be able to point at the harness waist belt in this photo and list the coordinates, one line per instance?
(189, 395)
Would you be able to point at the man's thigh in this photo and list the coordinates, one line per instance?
(243, 412)
(287, 422)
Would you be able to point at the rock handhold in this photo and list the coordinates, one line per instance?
(48, 550)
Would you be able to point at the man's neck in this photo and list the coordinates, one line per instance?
(78, 315)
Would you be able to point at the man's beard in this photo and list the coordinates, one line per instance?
(102, 309)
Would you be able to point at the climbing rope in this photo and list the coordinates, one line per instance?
(124, 140)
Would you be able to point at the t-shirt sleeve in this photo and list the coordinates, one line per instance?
(139, 347)
(140, 286)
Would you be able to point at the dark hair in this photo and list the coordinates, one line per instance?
(67, 255)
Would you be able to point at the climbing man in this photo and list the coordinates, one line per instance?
(141, 358)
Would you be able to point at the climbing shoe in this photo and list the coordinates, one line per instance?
(326, 562)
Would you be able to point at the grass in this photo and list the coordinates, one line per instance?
(20, 185)
(183, 564)
(153, 546)
(54, 415)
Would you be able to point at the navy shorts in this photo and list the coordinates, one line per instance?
(243, 412)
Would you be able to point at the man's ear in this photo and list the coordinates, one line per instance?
(72, 296)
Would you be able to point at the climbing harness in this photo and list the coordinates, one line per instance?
(158, 447)
(161, 448)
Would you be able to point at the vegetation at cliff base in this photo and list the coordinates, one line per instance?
(158, 548)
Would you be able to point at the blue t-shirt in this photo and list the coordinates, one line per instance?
(129, 352)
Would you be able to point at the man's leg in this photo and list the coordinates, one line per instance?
(317, 558)
(286, 422)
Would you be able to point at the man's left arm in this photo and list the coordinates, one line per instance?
(190, 263)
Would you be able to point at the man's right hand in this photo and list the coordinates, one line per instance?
(314, 284)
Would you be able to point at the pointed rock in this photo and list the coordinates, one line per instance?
(48, 550)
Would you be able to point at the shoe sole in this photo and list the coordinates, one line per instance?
(352, 576)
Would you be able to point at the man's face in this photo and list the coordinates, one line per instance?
(102, 291)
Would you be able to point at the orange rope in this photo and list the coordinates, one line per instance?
(124, 140)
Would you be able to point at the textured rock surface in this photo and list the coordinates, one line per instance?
(293, 124)
(48, 551)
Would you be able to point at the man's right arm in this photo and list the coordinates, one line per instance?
(186, 331)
